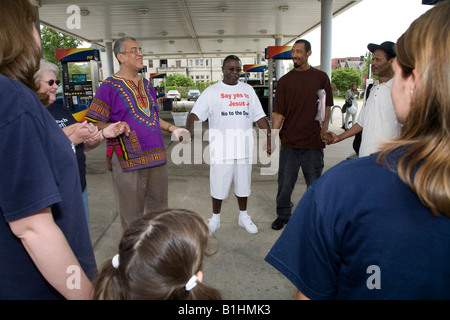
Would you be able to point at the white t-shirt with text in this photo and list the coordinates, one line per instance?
(231, 111)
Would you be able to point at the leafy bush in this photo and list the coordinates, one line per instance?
(343, 78)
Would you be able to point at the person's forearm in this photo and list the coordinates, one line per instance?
(52, 255)
(190, 123)
(70, 129)
(101, 125)
(263, 124)
(350, 132)
(277, 121)
(327, 118)
(166, 126)
(300, 296)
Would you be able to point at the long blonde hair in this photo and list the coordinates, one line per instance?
(425, 137)
(158, 254)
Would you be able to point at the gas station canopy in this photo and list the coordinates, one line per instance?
(188, 28)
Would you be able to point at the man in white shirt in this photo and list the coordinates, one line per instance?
(377, 117)
(231, 107)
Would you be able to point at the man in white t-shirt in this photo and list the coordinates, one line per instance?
(377, 119)
(231, 107)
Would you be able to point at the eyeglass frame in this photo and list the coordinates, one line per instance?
(134, 51)
(233, 69)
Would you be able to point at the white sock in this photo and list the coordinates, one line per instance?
(242, 213)
(215, 216)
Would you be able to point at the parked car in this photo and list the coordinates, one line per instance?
(193, 95)
(173, 94)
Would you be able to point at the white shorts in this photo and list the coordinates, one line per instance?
(222, 174)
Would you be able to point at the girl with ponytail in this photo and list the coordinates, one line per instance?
(160, 258)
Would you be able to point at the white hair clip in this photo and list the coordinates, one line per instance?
(191, 283)
(115, 261)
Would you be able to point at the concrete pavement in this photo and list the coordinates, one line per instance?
(238, 268)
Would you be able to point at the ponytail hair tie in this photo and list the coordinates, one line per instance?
(115, 261)
(191, 283)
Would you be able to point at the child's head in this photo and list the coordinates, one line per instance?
(158, 255)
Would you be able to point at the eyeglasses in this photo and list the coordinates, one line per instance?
(51, 82)
(232, 69)
(134, 51)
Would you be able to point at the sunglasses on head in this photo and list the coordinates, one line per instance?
(51, 82)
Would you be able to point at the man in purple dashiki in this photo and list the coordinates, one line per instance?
(137, 158)
(119, 99)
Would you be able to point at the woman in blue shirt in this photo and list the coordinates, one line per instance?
(393, 243)
(45, 248)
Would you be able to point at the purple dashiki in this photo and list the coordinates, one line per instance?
(118, 99)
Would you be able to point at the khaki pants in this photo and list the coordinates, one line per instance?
(139, 192)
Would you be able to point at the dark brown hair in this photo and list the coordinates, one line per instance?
(19, 52)
(158, 254)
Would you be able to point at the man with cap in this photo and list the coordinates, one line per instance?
(377, 115)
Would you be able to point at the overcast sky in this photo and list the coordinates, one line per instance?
(370, 21)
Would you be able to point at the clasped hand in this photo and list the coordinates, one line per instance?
(329, 137)
(181, 135)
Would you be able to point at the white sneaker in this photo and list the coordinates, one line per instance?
(247, 223)
(214, 224)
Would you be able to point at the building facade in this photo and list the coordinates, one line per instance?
(198, 69)
(356, 63)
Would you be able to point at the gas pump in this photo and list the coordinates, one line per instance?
(275, 53)
(244, 76)
(163, 104)
(162, 90)
(143, 71)
(261, 89)
(260, 68)
(79, 88)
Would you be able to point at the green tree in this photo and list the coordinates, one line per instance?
(367, 65)
(201, 85)
(342, 78)
(178, 80)
(52, 40)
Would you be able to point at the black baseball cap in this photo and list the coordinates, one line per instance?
(387, 46)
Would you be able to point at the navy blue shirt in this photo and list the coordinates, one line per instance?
(360, 233)
(64, 118)
(38, 169)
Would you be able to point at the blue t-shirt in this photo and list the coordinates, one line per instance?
(38, 169)
(360, 233)
(64, 118)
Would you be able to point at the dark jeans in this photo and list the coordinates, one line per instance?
(311, 162)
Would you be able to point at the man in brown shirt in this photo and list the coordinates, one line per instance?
(301, 135)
